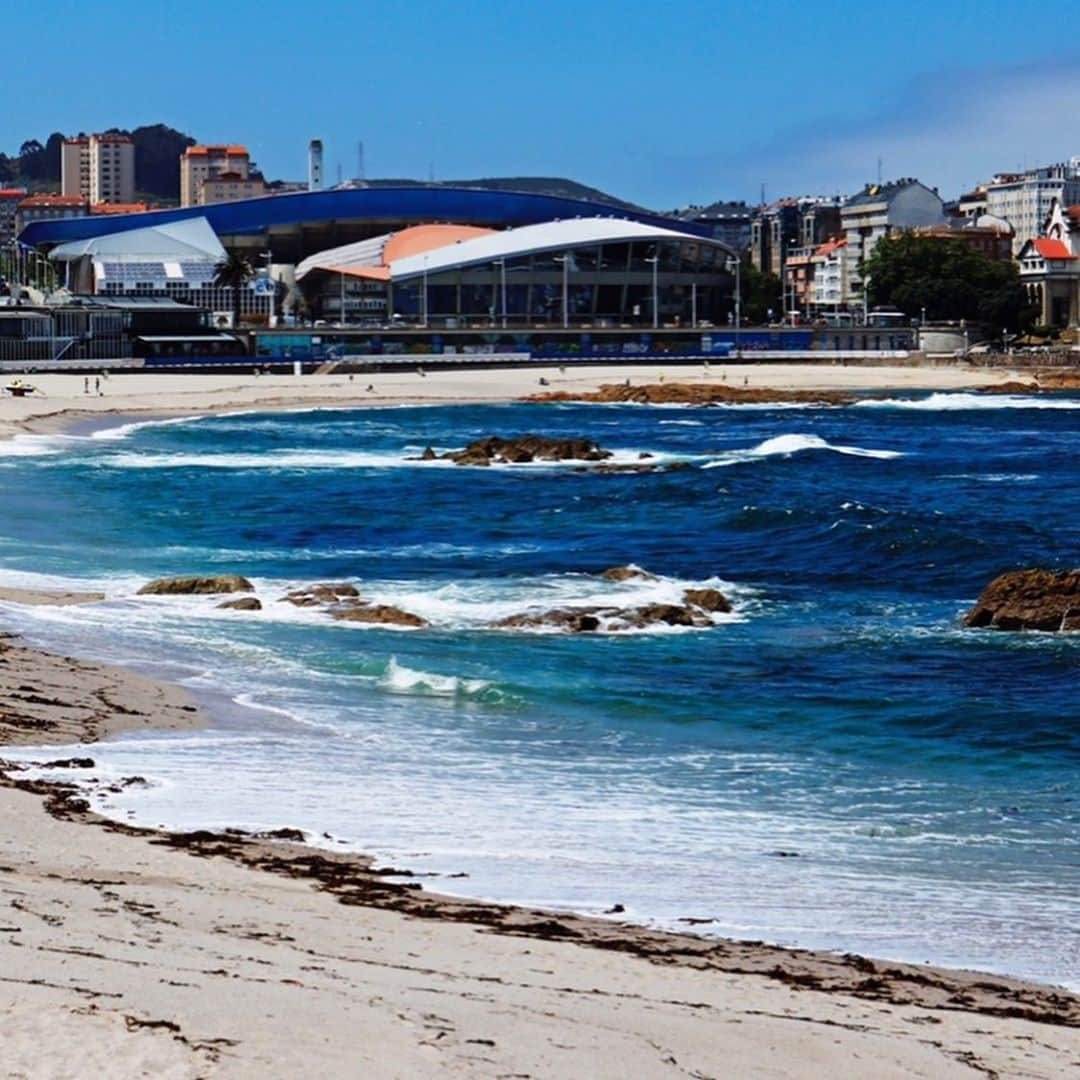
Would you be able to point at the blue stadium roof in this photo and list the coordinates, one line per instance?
(391, 204)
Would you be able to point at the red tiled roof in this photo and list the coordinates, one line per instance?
(830, 246)
(1053, 249)
(201, 151)
(119, 208)
(12, 193)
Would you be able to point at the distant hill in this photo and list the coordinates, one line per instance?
(554, 186)
(157, 161)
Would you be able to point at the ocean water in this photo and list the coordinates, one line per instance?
(838, 763)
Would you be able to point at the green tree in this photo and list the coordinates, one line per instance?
(760, 295)
(949, 280)
(234, 272)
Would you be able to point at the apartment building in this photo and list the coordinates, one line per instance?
(9, 204)
(100, 168)
(1025, 199)
(878, 211)
(199, 164)
(229, 187)
(49, 208)
(787, 225)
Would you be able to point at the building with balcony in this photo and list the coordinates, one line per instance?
(9, 204)
(229, 187)
(99, 168)
(878, 211)
(201, 164)
(1025, 200)
(34, 209)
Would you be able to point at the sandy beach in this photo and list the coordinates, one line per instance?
(63, 402)
(127, 952)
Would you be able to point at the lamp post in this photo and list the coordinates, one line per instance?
(423, 298)
(693, 304)
(565, 260)
(866, 300)
(655, 260)
(735, 263)
(269, 257)
(341, 313)
(501, 263)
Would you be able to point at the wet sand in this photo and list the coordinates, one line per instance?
(126, 952)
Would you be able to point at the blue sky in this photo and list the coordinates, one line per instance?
(662, 104)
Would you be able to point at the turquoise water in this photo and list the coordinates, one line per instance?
(837, 764)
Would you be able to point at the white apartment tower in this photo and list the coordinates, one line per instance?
(315, 165)
(100, 168)
(1025, 199)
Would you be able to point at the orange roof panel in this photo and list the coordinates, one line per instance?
(421, 238)
(1053, 249)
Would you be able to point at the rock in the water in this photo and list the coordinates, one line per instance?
(244, 603)
(695, 394)
(521, 450)
(428, 454)
(707, 600)
(625, 573)
(611, 619)
(1029, 600)
(329, 593)
(223, 583)
(383, 614)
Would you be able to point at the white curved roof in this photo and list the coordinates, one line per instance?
(529, 239)
(193, 238)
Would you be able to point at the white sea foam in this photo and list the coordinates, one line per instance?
(299, 460)
(942, 402)
(125, 431)
(399, 679)
(786, 445)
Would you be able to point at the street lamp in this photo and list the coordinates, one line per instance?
(655, 260)
(866, 300)
(501, 263)
(423, 298)
(693, 304)
(735, 263)
(269, 257)
(565, 260)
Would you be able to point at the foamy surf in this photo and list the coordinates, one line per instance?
(943, 402)
(399, 679)
(787, 445)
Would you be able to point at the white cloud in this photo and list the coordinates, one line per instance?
(951, 131)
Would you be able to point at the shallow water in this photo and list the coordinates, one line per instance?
(838, 763)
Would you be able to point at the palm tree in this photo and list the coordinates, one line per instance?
(234, 272)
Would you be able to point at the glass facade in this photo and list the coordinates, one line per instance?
(616, 284)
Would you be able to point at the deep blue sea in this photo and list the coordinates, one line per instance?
(837, 764)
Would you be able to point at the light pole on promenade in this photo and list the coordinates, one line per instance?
(655, 260)
(501, 263)
(735, 263)
(565, 260)
(423, 296)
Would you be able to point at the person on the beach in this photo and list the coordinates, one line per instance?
(97, 385)
(86, 384)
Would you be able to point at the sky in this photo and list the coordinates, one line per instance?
(662, 104)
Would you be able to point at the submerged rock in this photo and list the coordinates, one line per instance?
(244, 603)
(178, 586)
(1029, 600)
(327, 593)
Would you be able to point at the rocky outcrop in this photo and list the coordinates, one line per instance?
(329, 593)
(708, 600)
(363, 611)
(694, 394)
(695, 611)
(343, 602)
(182, 586)
(626, 573)
(495, 450)
(244, 603)
(1029, 600)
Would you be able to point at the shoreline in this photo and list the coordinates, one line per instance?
(847, 1006)
(159, 396)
